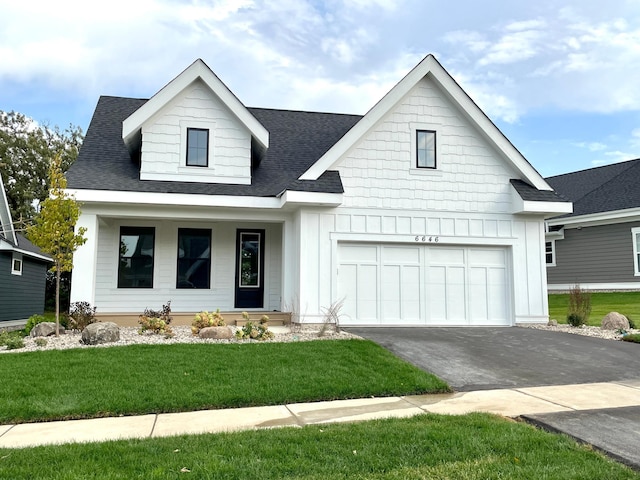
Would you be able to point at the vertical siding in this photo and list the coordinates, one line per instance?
(21, 295)
(600, 254)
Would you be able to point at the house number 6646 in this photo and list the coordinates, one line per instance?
(424, 238)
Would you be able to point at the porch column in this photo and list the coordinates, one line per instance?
(290, 268)
(83, 278)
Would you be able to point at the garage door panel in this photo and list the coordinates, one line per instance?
(424, 284)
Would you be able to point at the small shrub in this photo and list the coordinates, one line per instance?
(206, 319)
(575, 320)
(32, 322)
(632, 337)
(579, 306)
(256, 332)
(40, 342)
(156, 321)
(632, 324)
(81, 314)
(11, 340)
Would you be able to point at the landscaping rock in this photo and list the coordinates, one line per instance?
(100, 332)
(615, 321)
(553, 322)
(45, 329)
(216, 332)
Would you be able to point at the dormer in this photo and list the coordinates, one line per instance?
(195, 130)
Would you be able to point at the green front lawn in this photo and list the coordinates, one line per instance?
(138, 379)
(627, 303)
(470, 447)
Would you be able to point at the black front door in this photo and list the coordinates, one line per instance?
(249, 269)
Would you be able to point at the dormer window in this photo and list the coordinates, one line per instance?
(425, 149)
(197, 147)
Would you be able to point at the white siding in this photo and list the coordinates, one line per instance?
(164, 140)
(380, 171)
(109, 298)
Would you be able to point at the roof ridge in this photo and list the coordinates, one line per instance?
(595, 168)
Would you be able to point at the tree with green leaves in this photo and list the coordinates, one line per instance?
(26, 150)
(53, 228)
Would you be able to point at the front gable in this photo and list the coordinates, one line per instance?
(195, 130)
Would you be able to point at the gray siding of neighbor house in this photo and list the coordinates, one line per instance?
(601, 254)
(21, 295)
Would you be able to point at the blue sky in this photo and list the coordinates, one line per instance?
(559, 78)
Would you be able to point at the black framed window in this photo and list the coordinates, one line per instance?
(194, 258)
(425, 149)
(137, 248)
(197, 147)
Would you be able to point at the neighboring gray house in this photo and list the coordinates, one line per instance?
(23, 271)
(598, 245)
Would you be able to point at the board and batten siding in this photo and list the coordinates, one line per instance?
(597, 254)
(110, 299)
(321, 231)
(164, 140)
(21, 295)
(470, 175)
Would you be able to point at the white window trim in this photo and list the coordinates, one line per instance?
(634, 238)
(16, 258)
(414, 127)
(202, 125)
(553, 253)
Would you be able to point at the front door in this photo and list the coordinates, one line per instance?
(249, 269)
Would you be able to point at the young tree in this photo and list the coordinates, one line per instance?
(53, 229)
(26, 150)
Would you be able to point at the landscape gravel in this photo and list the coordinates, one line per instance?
(583, 330)
(130, 336)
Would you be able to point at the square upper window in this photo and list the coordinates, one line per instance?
(197, 147)
(425, 149)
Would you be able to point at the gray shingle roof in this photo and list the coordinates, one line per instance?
(601, 189)
(532, 194)
(296, 141)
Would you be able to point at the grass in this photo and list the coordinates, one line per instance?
(470, 447)
(635, 338)
(627, 303)
(138, 379)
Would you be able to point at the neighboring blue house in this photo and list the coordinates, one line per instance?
(23, 271)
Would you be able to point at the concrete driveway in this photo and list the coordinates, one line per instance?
(493, 358)
(489, 358)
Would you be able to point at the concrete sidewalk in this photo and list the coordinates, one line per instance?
(506, 402)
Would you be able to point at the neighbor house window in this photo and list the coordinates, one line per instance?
(550, 253)
(635, 234)
(197, 147)
(194, 258)
(425, 149)
(16, 264)
(135, 268)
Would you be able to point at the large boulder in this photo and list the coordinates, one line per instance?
(216, 333)
(615, 321)
(44, 329)
(100, 332)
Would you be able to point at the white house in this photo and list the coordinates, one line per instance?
(420, 212)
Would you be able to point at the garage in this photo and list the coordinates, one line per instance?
(438, 285)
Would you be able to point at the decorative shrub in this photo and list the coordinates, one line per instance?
(632, 324)
(632, 337)
(206, 319)
(81, 314)
(11, 340)
(579, 306)
(156, 321)
(254, 331)
(575, 320)
(40, 342)
(32, 322)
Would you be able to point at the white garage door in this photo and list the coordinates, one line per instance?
(423, 285)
